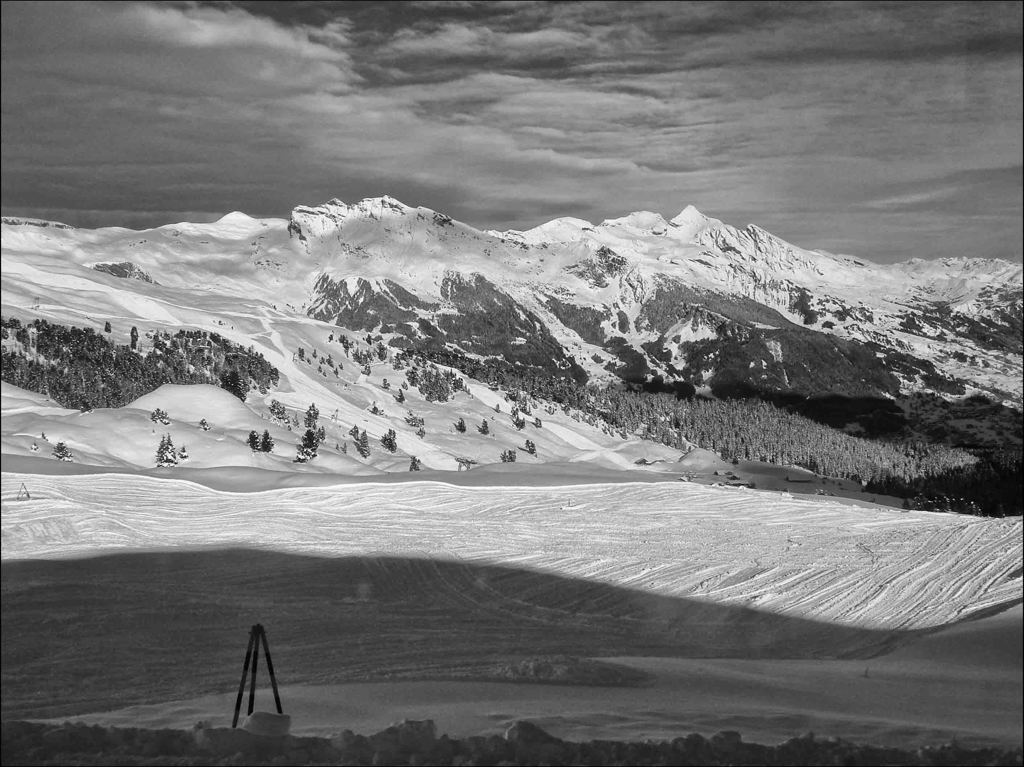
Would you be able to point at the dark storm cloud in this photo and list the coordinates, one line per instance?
(810, 119)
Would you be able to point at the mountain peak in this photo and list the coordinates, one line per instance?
(643, 220)
(384, 202)
(690, 221)
(689, 215)
(236, 217)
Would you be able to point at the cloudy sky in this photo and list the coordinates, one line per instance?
(886, 130)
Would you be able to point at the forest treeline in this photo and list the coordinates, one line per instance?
(81, 368)
(931, 476)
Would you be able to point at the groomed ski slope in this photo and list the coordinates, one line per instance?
(809, 557)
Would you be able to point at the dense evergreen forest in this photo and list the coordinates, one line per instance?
(81, 368)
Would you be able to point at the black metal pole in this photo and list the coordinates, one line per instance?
(255, 659)
(241, 684)
(270, 668)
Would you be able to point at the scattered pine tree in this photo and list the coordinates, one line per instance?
(460, 426)
(312, 416)
(363, 444)
(389, 441)
(61, 452)
(266, 442)
(166, 455)
(203, 424)
(414, 463)
(278, 412)
(484, 428)
(253, 441)
(306, 450)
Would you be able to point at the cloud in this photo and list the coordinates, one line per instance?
(156, 49)
(503, 114)
(455, 40)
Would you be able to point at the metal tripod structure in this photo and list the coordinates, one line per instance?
(257, 635)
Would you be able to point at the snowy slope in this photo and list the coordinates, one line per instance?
(809, 557)
(594, 289)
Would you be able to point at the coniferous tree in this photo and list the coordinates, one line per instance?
(460, 426)
(183, 453)
(389, 441)
(484, 428)
(166, 455)
(307, 448)
(232, 382)
(61, 452)
(363, 444)
(106, 327)
(312, 416)
(354, 432)
(266, 442)
(414, 463)
(253, 441)
(135, 338)
(399, 396)
(421, 432)
(508, 456)
(203, 424)
(531, 448)
(278, 412)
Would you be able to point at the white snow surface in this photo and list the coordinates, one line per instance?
(808, 557)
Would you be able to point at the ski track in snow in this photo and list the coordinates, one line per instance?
(812, 558)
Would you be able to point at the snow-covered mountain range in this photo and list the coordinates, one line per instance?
(686, 301)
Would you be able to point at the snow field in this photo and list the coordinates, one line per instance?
(866, 567)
